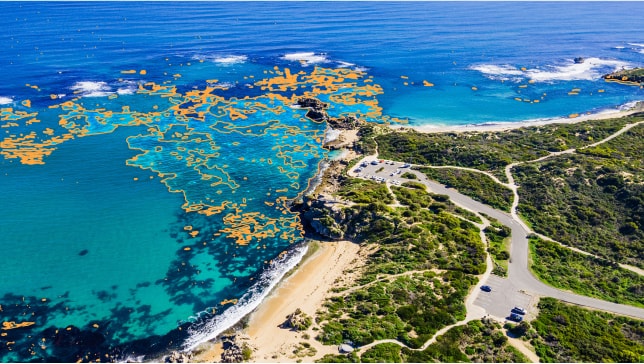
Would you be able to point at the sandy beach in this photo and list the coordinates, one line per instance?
(492, 127)
(305, 289)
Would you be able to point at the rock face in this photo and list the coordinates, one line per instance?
(579, 60)
(322, 220)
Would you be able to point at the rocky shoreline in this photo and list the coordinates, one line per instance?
(313, 205)
(633, 77)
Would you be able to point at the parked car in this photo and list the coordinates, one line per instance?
(486, 288)
(515, 317)
(519, 310)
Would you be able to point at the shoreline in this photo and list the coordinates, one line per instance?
(636, 107)
(309, 282)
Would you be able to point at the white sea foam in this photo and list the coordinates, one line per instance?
(5, 100)
(230, 59)
(590, 69)
(331, 135)
(127, 88)
(641, 45)
(92, 88)
(306, 58)
(248, 302)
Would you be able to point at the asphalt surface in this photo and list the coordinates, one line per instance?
(521, 288)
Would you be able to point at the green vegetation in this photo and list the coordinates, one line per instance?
(571, 334)
(476, 185)
(593, 200)
(382, 353)
(589, 276)
(492, 151)
(434, 255)
(408, 308)
(476, 341)
(498, 236)
(347, 358)
(366, 143)
(408, 175)
(364, 191)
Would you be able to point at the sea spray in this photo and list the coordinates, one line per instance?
(267, 280)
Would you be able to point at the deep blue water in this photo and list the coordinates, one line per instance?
(94, 240)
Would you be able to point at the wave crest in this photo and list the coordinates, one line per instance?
(306, 58)
(92, 88)
(230, 59)
(588, 70)
(5, 100)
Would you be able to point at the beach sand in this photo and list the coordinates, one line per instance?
(305, 289)
(331, 265)
(492, 127)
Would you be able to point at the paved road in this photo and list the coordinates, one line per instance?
(520, 279)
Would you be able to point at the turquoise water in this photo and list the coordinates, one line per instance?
(149, 149)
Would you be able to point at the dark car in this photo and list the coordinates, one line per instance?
(486, 288)
(515, 317)
(519, 310)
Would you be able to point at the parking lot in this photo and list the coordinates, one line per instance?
(503, 297)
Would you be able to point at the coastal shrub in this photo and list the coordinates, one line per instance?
(498, 237)
(408, 175)
(382, 353)
(364, 191)
(568, 333)
(566, 269)
(409, 308)
(476, 341)
(492, 151)
(592, 203)
(479, 186)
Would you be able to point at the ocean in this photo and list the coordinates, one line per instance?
(148, 150)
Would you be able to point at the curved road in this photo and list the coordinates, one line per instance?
(518, 273)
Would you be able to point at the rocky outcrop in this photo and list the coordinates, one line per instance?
(344, 123)
(322, 220)
(297, 321)
(177, 357)
(236, 349)
(579, 60)
(317, 112)
(633, 76)
(316, 108)
(312, 103)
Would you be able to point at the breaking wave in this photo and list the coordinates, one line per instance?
(5, 100)
(92, 88)
(267, 280)
(306, 58)
(589, 69)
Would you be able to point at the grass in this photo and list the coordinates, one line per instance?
(586, 275)
(566, 333)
